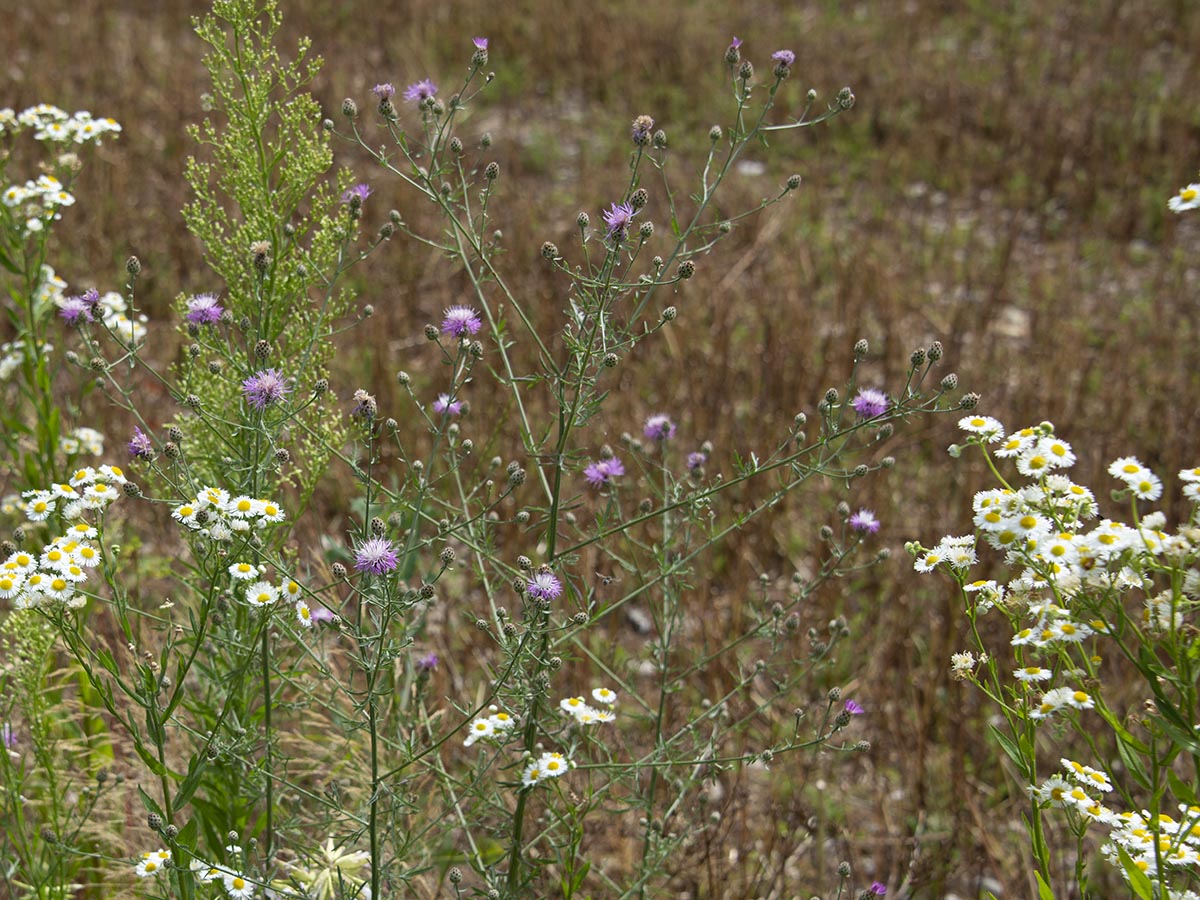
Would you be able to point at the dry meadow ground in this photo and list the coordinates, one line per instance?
(1000, 186)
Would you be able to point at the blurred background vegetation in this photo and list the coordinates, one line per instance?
(1000, 186)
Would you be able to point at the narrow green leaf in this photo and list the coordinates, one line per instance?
(1044, 892)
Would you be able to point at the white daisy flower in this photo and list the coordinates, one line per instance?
(243, 571)
(303, 614)
(986, 426)
(604, 695)
(480, 728)
(1187, 198)
(238, 887)
(1032, 674)
(262, 594)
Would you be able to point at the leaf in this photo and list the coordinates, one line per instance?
(149, 802)
(1137, 878)
(1044, 892)
(1184, 793)
(1010, 748)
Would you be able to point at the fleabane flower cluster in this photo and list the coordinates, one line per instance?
(50, 291)
(51, 124)
(215, 515)
(585, 714)
(494, 726)
(37, 202)
(1072, 575)
(82, 440)
(545, 767)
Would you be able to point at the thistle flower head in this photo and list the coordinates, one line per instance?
(870, 403)
(262, 389)
(376, 556)
(460, 321)
(203, 309)
(420, 91)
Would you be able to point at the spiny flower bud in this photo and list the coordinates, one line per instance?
(349, 108)
(610, 360)
(645, 230)
(549, 250)
(950, 382)
(282, 456)
(378, 527)
(447, 555)
(320, 387)
(431, 332)
(262, 349)
(215, 366)
(687, 269)
(485, 140)
(261, 252)
(641, 130)
(831, 396)
(476, 349)
(935, 351)
(386, 230)
(133, 266)
(171, 450)
(862, 746)
(426, 592)
(660, 139)
(917, 357)
(714, 133)
(639, 198)
(492, 171)
(845, 98)
(327, 124)
(826, 533)
(516, 477)
(843, 869)
(669, 313)
(732, 54)
(860, 348)
(969, 401)
(154, 821)
(455, 875)
(583, 220)
(860, 470)
(793, 182)
(746, 71)
(131, 489)
(338, 571)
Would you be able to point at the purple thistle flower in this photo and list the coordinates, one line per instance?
(383, 91)
(786, 57)
(604, 471)
(696, 461)
(358, 193)
(736, 43)
(544, 585)
(376, 556)
(659, 428)
(481, 43)
(461, 321)
(428, 662)
(139, 445)
(877, 888)
(203, 309)
(618, 219)
(870, 403)
(443, 404)
(265, 388)
(91, 297)
(75, 311)
(854, 708)
(864, 520)
(320, 614)
(420, 91)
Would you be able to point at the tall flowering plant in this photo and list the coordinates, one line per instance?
(1083, 597)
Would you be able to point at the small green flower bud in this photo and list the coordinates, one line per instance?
(826, 533)
(262, 349)
(886, 430)
(687, 269)
(261, 253)
(860, 470)
(843, 870)
(455, 875)
(860, 348)
(642, 126)
(733, 55)
(843, 509)
(516, 477)
(800, 420)
(48, 835)
(714, 133)
(646, 230)
(935, 351)
(969, 401)
(386, 230)
(580, 618)
(657, 263)
(746, 71)
(96, 364)
(403, 377)
(368, 311)
(917, 357)
(669, 314)
(834, 694)
(845, 98)
(338, 571)
(646, 505)
(476, 349)
(522, 517)
(831, 396)
(133, 266)
(660, 139)
(793, 182)
(639, 198)
(492, 171)
(862, 747)
(171, 831)
(447, 555)
(610, 360)
(131, 490)
(431, 332)
(171, 449)
(950, 382)
(378, 527)
(583, 220)
(395, 218)
(154, 821)
(549, 251)
(456, 146)
(282, 456)
(349, 108)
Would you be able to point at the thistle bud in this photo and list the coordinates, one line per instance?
(431, 332)
(549, 250)
(492, 171)
(133, 266)
(714, 133)
(746, 71)
(349, 108)
(639, 198)
(583, 220)
(950, 382)
(687, 269)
